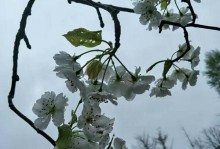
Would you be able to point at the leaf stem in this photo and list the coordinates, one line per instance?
(132, 76)
(78, 56)
(103, 77)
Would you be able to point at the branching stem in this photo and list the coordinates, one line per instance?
(21, 35)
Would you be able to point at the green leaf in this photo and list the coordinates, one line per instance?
(64, 137)
(83, 37)
(93, 69)
(167, 65)
(164, 4)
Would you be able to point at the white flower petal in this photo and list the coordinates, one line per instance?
(104, 141)
(119, 143)
(160, 92)
(62, 58)
(58, 118)
(42, 123)
(185, 83)
(148, 79)
(193, 77)
(37, 109)
(60, 101)
(140, 87)
(129, 95)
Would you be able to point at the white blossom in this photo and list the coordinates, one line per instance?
(65, 63)
(194, 57)
(128, 85)
(149, 13)
(117, 82)
(138, 86)
(170, 16)
(119, 143)
(80, 142)
(73, 82)
(159, 92)
(63, 58)
(191, 79)
(99, 97)
(104, 141)
(141, 82)
(178, 74)
(117, 87)
(94, 124)
(184, 17)
(182, 49)
(167, 82)
(49, 105)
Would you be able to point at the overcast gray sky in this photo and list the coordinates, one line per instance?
(195, 109)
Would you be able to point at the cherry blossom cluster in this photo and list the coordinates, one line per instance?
(100, 81)
(107, 86)
(151, 15)
(183, 75)
(94, 127)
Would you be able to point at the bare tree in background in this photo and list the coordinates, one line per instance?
(148, 142)
(209, 139)
(212, 61)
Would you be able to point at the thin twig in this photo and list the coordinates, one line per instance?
(100, 17)
(186, 36)
(189, 139)
(27, 41)
(191, 10)
(21, 35)
(106, 7)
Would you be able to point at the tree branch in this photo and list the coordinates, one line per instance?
(117, 27)
(106, 7)
(204, 27)
(100, 17)
(188, 138)
(186, 36)
(21, 35)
